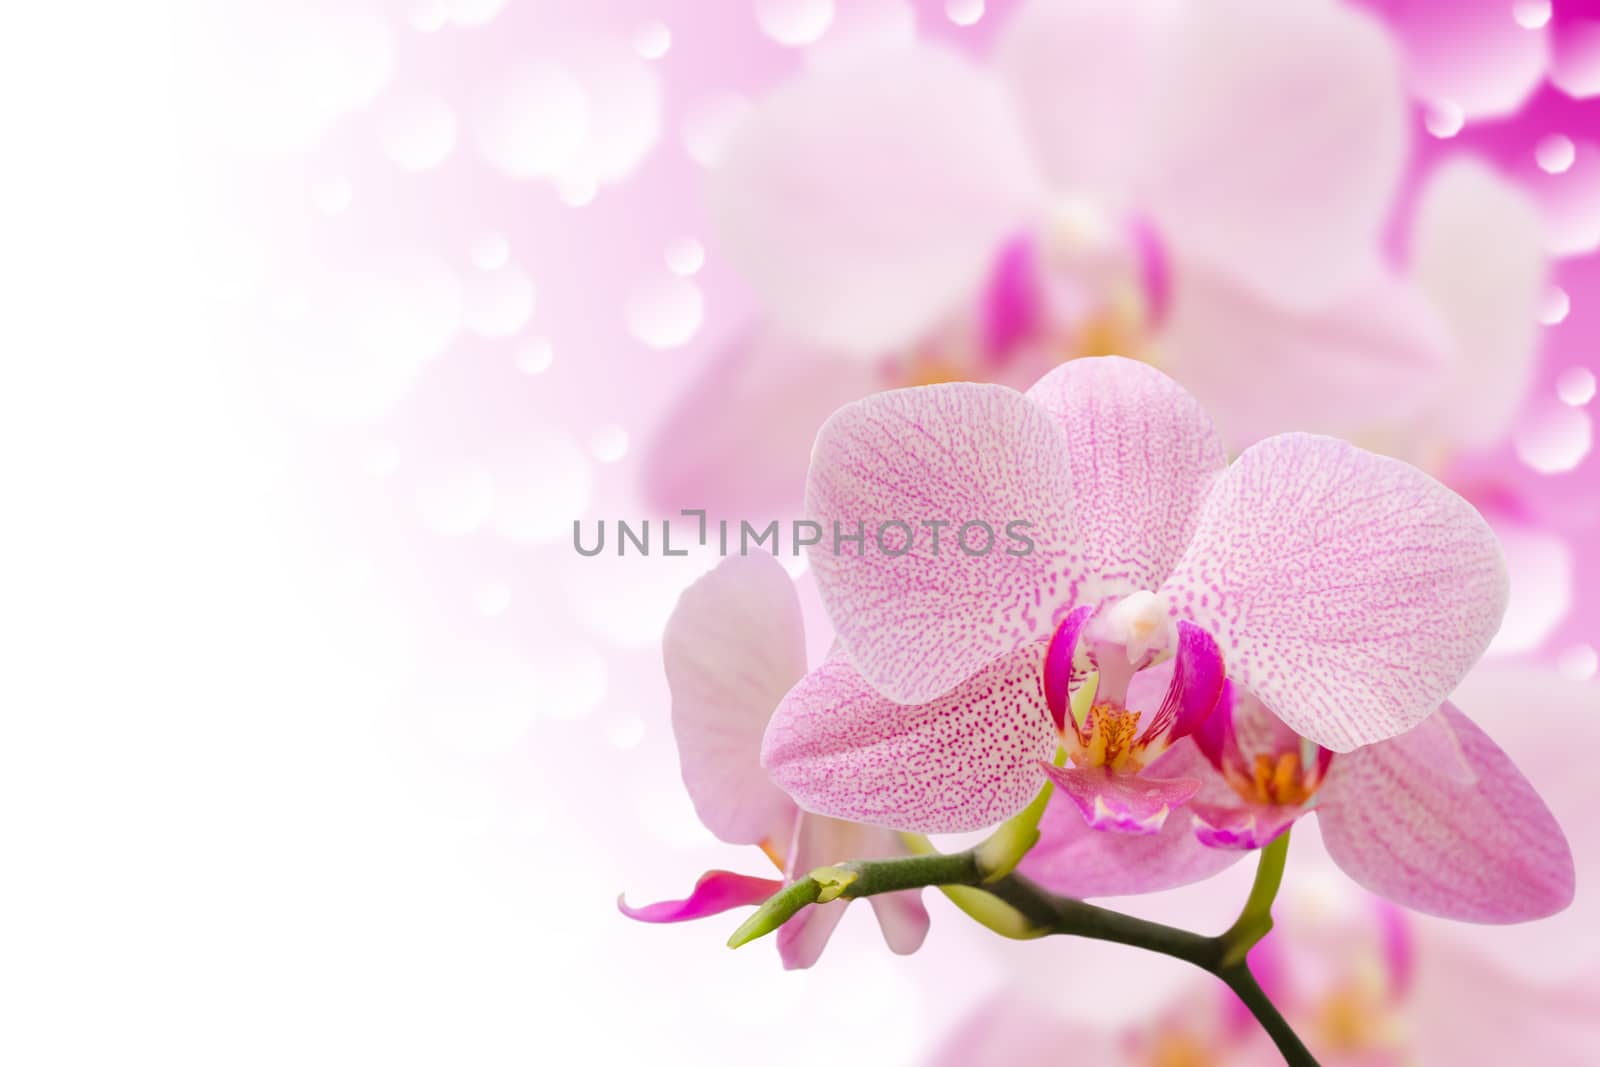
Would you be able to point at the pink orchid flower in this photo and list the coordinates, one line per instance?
(1349, 591)
(733, 647)
(1172, 181)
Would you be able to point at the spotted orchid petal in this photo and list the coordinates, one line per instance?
(867, 257)
(714, 893)
(733, 646)
(1079, 861)
(1349, 591)
(1236, 826)
(1234, 163)
(1485, 850)
(1144, 455)
(1487, 303)
(737, 441)
(1130, 804)
(1356, 366)
(961, 762)
(1085, 77)
(918, 620)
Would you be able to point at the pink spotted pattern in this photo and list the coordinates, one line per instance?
(1481, 850)
(1349, 591)
(920, 622)
(964, 761)
(1144, 455)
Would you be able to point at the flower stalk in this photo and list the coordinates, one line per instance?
(1043, 912)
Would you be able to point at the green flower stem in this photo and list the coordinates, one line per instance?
(1043, 912)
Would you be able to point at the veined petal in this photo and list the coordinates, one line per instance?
(737, 441)
(1144, 455)
(1257, 168)
(1350, 592)
(1240, 826)
(1482, 851)
(1362, 363)
(1085, 76)
(1487, 303)
(1127, 803)
(865, 201)
(923, 612)
(715, 892)
(962, 762)
(733, 646)
(1072, 859)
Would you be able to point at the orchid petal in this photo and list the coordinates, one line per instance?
(1130, 804)
(1084, 76)
(733, 646)
(1484, 851)
(802, 939)
(964, 761)
(1075, 860)
(1249, 136)
(1144, 455)
(714, 893)
(1197, 679)
(866, 256)
(1349, 592)
(1367, 360)
(917, 619)
(1545, 723)
(819, 842)
(903, 919)
(1059, 666)
(737, 441)
(1242, 827)
(1487, 302)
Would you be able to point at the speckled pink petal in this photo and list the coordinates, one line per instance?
(1073, 859)
(1126, 803)
(1240, 826)
(1487, 851)
(1144, 455)
(962, 762)
(715, 892)
(918, 620)
(737, 441)
(1349, 591)
(733, 646)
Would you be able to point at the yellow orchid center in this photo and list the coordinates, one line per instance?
(1108, 740)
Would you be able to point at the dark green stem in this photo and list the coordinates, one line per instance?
(1050, 913)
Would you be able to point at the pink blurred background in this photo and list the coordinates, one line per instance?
(350, 753)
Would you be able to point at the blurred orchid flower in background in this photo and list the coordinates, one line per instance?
(733, 647)
(1167, 181)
